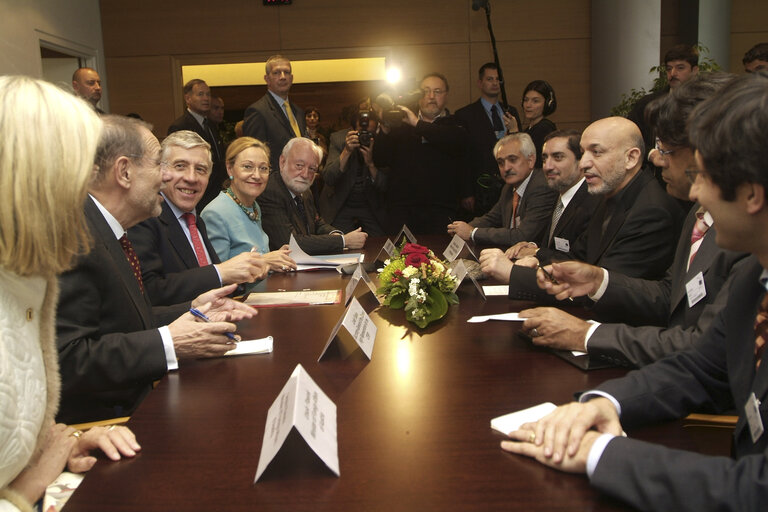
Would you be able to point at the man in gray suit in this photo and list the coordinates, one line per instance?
(273, 119)
(287, 206)
(526, 203)
(722, 371)
(666, 315)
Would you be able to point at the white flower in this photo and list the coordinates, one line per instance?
(437, 266)
(409, 272)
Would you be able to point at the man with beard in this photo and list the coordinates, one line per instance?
(287, 206)
(426, 157)
(86, 83)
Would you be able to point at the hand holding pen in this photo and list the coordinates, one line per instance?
(548, 282)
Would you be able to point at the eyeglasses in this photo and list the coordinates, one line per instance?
(250, 168)
(663, 152)
(301, 167)
(437, 92)
(691, 174)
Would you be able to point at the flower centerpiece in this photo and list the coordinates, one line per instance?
(415, 279)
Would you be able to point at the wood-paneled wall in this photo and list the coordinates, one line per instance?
(146, 42)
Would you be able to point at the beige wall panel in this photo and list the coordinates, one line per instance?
(740, 44)
(516, 20)
(147, 27)
(749, 16)
(565, 64)
(143, 85)
(344, 23)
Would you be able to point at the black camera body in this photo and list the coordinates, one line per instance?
(364, 136)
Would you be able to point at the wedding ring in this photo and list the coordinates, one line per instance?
(532, 437)
(535, 332)
(76, 434)
(282, 268)
(111, 428)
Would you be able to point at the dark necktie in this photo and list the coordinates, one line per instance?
(302, 212)
(761, 329)
(496, 119)
(133, 260)
(556, 218)
(197, 244)
(212, 140)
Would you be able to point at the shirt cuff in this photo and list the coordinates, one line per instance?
(594, 393)
(218, 274)
(170, 352)
(601, 289)
(472, 234)
(598, 447)
(592, 328)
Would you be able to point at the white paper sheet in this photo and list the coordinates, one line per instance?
(494, 290)
(512, 421)
(509, 317)
(258, 346)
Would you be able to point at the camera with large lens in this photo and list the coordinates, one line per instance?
(364, 136)
(392, 115)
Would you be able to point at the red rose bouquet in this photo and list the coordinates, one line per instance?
(416, 280)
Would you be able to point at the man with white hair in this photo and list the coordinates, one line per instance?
(287, 206)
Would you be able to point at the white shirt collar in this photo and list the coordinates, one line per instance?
(520, 189)
(197, 117)
(113, 223)
(566, 196)
(175, 209)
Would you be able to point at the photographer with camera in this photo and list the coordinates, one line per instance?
(354, 186)
(426, 156)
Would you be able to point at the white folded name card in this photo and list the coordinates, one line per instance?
(303, 406)
(357, 276)
(456, 247)
(408, 235)
(460, 271)
(360, 332)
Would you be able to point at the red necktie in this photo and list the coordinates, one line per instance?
(194, 234)
(761, 329)
(699, 229)
(133, 260)
(515, 202)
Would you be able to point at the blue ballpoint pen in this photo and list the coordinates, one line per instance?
(196, 312)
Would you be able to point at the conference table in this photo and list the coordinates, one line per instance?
(413, 422)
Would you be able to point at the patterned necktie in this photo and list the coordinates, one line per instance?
(133, 260)
(555, 218)
(197, 244)
(302, 211)
(496, 119)
(515, 202)
(761, 329)
(291, 119)
(699, 230)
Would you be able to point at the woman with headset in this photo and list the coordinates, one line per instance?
(538, 102)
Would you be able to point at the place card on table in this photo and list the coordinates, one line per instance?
(460, 271)
(360, 332)
(408, 235)
(388, 249)
(301, 405)
(359, 275)
(514, 420)
(456, 247)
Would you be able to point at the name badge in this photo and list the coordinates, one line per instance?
(562, 244)
(695, 289)
(752, 408)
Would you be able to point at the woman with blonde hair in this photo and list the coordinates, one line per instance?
(48, 140)
(233, 218)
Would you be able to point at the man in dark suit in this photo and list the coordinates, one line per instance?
(724, 370)
(486, 121)
(110, 346)
(178, 262)
(273, 119)
(197, 96)
(634, 228)
(663, 316)
(353, 187)
(287, 206)
(525, 206)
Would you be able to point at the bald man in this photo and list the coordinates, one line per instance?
(636, 225)
(86, 83)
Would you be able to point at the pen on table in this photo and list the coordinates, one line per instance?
(551, 278)
(196, 312)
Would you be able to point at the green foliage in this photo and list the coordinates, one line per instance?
(628, 100)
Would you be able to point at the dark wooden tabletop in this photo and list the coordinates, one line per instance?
(413, 423)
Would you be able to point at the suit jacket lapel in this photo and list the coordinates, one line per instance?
(570, 211)
(279, 114)
(177, 237)
(104, 235)
(482, 120)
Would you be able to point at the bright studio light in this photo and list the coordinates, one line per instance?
(393, 75)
